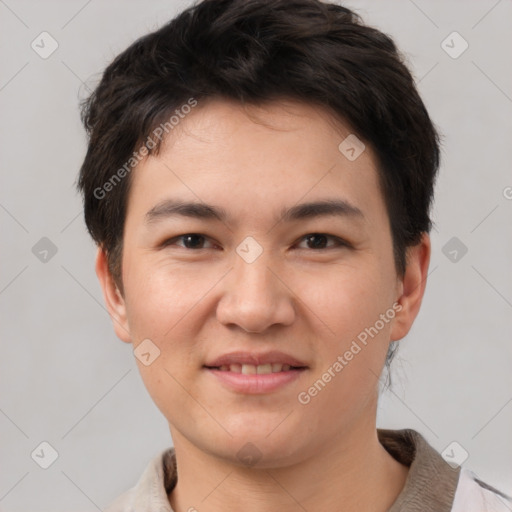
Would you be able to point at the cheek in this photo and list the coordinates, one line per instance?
(169, 305)
(354, 343)
(161, 306)
(345, 299)
(160, 297)
(352, 347)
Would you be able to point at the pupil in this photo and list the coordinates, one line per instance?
(195, 238)
(317, 244)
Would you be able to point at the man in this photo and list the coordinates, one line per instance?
(258, 179)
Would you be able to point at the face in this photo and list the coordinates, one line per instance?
(259, 278)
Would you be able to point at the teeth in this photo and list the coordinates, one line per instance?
(264, 368)
(251, 369)
(248, 369)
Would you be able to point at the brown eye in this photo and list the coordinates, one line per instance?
(320, 241)
(189, 241)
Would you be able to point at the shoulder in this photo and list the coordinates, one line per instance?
(435, 485)
(473, 495)
(150, 492)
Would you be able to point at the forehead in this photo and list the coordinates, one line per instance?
(213, 119)
(257, 159)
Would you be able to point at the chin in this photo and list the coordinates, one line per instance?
(252, 448)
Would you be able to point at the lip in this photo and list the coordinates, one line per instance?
(255, 359)
(255, 384)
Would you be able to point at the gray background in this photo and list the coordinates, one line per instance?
(67, 380)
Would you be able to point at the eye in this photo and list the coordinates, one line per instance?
(319, 241)
(190, 241)
(316, 241)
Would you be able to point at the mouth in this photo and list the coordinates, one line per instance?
(249, 379)
(260, 369)
(256, 374)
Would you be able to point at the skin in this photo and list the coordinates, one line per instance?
(197, 304)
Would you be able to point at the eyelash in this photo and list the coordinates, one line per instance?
(339, 241)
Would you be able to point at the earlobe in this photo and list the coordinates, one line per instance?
(114, 300)
(412, 287)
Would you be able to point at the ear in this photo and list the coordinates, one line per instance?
(113, 298)
(412, 287)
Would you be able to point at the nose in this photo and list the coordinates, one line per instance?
(255, 296)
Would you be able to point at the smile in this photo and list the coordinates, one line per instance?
(251, 369)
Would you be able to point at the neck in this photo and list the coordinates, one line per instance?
(354, 470)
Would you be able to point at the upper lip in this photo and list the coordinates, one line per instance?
(255, 359)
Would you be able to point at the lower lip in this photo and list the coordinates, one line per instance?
(255, 384)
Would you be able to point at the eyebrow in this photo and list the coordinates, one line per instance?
(320, 208)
